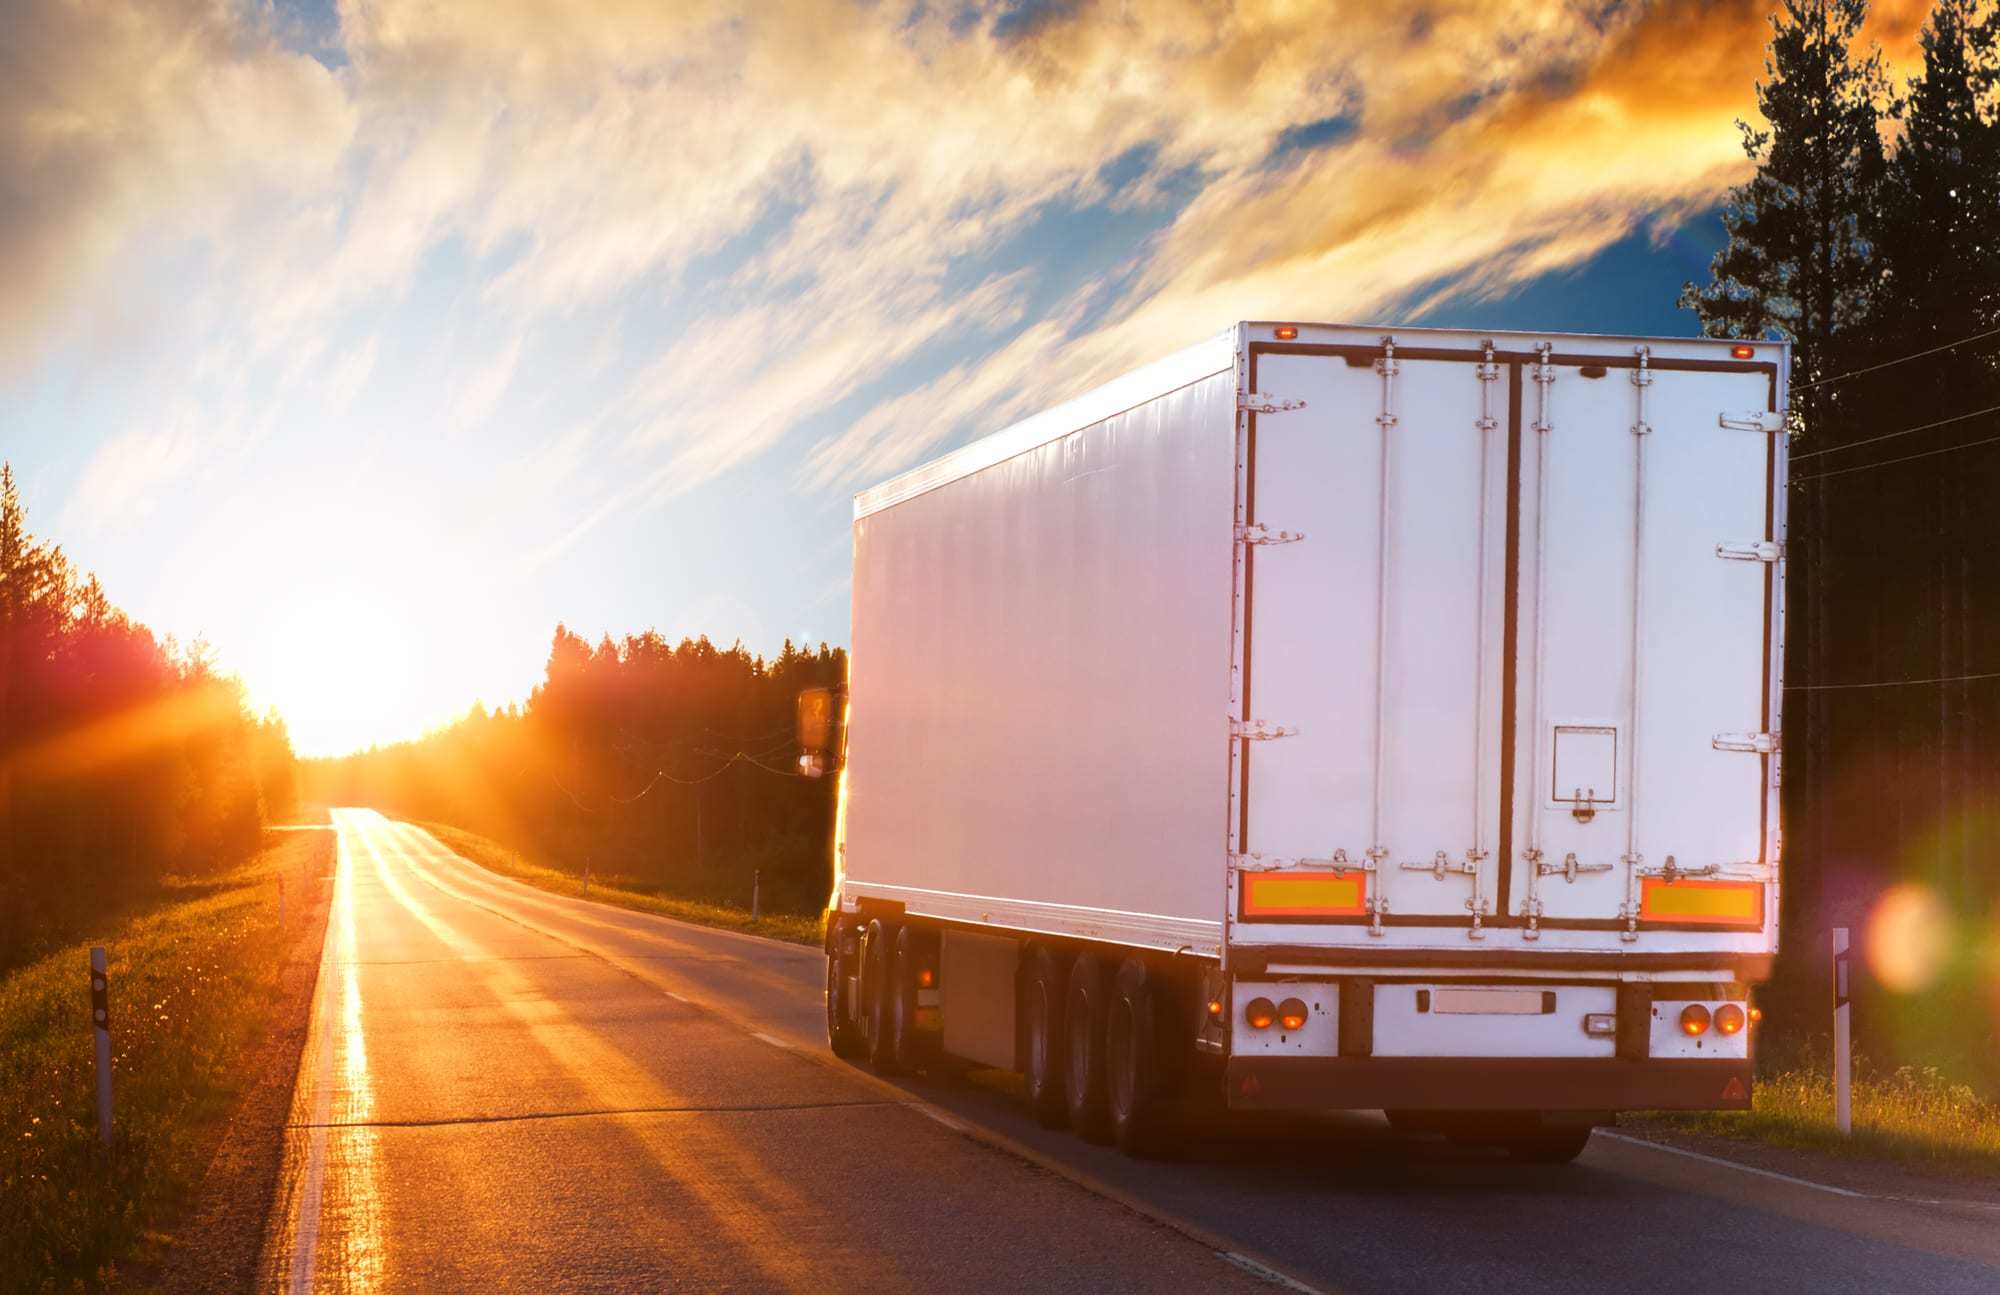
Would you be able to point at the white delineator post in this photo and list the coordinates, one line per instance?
(1843, 1058)
(756, 888)
(100, 1019)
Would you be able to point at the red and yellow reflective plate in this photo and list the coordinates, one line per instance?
(1304, 894)
(1689, 902)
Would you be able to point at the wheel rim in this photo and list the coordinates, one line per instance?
(1038, 1036)
(1118, 1043)
(1078, 1067)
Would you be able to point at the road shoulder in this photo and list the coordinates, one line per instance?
(1862, 1175)
(217, 1247)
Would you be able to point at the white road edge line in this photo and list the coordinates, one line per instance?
(671, 994)
(1272, 1275)
(1788, 1178)
(776, 1043)
(936, 1116)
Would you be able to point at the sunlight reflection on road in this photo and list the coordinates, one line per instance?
(329, 1230)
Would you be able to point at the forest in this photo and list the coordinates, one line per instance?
(1869, 236)
(670, 767)
(125, 761)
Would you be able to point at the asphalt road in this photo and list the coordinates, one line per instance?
(509, 1090)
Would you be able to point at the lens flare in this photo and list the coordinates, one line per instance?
(1909, 938)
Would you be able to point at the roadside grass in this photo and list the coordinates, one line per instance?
(191, 983)
(1913, 1116)
(624, 892)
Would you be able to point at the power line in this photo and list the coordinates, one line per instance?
(1885, 463)
(1889, 683)
(1901, 359)
(1890, 436)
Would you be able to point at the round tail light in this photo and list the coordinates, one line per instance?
(1694, 1020)
(1260, 1013)
(1292, 1014)
(1729, 1019)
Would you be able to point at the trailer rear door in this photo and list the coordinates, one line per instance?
(1517, 694)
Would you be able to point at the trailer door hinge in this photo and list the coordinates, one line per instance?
(1761, 743)
(1258, 533)
(1257, 730)
(1258, 402)
(1755, 420)
(1751, 550)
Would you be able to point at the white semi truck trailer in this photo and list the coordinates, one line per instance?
(1327, 717)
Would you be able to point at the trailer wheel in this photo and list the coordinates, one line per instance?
(843, 1032)
(906, 1044)
(1042, 994)
(1553, 1147)
(877, 958)
(1136, 1080)
(1083, 1047)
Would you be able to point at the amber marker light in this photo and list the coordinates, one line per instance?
(1729, 1019)
(1285, 332)
(1260, 1013)
(1743, 352)
(926, 978)
(1215, 1007)
(1292, 1014)
(1756, 1015)
(1694, 1020)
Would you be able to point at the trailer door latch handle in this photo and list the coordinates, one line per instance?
(1751, 550)
(1754, 420)
(1257, 730)
(1258, 533)
(1258, 402)
(1760, 743)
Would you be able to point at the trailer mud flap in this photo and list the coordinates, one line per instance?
(1486, 1084)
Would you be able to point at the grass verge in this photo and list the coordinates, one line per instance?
(190, 993)
(625, 892)
(1914, 1117)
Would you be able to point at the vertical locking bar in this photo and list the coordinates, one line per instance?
(1545, 376)
(1642, 378)
(1489, 373)
(1386, 421)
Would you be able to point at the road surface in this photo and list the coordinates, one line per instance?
(510, 1090)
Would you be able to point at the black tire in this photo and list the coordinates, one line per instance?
(1084, 1003)
(907, 1048)
(1136, 1076)
(843, 1034)
(1551, 1147)
(1043, 989)
(877, 957)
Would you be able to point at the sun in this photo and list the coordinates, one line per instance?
(344, 662)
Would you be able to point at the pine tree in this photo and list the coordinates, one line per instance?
(1938, 235)
(1798, 263)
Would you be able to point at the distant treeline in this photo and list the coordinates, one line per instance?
(673, 766)
(122, 759)
(1870, 236)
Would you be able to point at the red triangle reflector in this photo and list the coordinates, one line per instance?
(1251, 1087)
(1734, 1091)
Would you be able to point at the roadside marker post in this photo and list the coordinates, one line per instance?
(1843, 1058)
(756, 894)
(281, 902)
(100, 1019)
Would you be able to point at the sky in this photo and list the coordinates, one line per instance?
(369, 340)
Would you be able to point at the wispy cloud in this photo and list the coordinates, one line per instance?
(787, 231)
